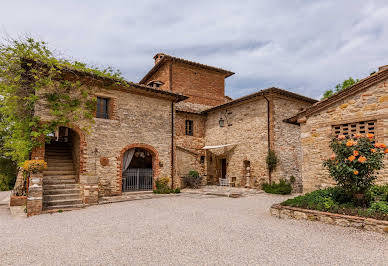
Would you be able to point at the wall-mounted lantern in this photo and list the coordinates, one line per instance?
(221, 122)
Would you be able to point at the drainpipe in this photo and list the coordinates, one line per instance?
(268, 134)
(172, 129)
(172, 145)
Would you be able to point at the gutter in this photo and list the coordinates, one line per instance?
(172, 130)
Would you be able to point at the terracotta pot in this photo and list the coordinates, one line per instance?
(18, 201)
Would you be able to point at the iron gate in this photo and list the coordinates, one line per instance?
(135, 179)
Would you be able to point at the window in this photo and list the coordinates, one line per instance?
(202, 159)
(189, 127)
(355, 128)
(102, 108)
(155, 84)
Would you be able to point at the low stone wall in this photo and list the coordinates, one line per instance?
(329, 218)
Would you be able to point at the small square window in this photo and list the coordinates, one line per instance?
(102, 108)
(189, 127)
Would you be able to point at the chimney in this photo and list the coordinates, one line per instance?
(383, 68)
(158, 57)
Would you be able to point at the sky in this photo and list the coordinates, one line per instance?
(305, 46)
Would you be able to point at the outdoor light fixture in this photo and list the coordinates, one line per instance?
(221, 122)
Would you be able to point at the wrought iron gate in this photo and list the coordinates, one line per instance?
(136, 179)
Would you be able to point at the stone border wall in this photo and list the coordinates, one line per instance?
(329, 218)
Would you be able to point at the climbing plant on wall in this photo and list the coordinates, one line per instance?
(31, 76)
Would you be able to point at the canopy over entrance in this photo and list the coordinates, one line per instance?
(218, 146)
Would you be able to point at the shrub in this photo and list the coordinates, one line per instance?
(34, 166)
(192, 180)
(354, 162)
(379, 206)
(333, 200)
(162, 186)
(283, 187)
(272, 160)
(177, 190)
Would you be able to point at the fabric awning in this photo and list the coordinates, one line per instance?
(217, 146)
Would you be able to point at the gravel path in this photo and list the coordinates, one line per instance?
(189, 229)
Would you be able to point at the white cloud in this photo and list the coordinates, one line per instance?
(305, 46)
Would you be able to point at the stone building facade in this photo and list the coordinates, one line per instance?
(178, 119)
(252, 125)
(361, 108)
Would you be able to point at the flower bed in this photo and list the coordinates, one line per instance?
(334, 200)
(330, 218)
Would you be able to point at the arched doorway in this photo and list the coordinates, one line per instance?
(137, 170)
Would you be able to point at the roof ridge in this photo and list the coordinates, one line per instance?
(261, 93)
(167, 56)
(358, 86)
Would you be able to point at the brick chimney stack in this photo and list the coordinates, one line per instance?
(158, 57)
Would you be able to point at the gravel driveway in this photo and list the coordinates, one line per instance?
(189, 229)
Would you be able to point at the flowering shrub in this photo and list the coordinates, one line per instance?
(354, 163)
(34, 166)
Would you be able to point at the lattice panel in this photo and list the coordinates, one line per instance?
(355, 128)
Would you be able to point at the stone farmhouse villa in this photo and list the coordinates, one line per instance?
(178, 118)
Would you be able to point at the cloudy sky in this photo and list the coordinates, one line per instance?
(303, 46)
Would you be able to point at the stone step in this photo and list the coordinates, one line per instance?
(55, 197)
(58, 157)
(50, 160)
(54, 164)
(62, 202)
(59, 172)
(60, 168)
(51, 177)
(62, 207)
(58, 181)
(61, 191)
(60, 186)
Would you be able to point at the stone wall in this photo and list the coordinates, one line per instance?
(287, 212)
(189, 148)
(137, 118)
(248, 130)
(316, 132)
(286, 142)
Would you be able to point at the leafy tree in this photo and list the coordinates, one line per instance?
(31, 75)
(8, 168)
(339, 87)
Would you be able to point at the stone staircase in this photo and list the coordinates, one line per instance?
(60, 189)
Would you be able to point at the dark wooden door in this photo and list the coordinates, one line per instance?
(223, 168)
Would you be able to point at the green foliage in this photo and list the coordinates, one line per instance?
(339, 87)
(162, 186)
(271, 160)
(379, 206)
(283, 187)
(8, 172)
(31, 75)
(192, 180)
(335, 200)
(354, 163)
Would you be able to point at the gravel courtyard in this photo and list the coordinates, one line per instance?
(188, 229)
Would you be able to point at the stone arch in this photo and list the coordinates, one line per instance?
(155, 162)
